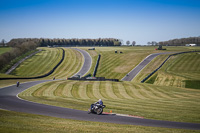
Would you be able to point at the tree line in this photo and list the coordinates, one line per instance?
(17, 50)
(43, 42)
(181, 41)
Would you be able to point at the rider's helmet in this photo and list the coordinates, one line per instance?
(100, 100)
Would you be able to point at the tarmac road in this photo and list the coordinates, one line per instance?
(87, 63)
(134, 72)
(10, 101)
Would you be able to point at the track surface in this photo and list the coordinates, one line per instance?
(134, 72)
(87, 63)
(10, 101)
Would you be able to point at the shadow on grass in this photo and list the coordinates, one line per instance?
(195, 84)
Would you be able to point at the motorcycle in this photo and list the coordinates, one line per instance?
(96, 109)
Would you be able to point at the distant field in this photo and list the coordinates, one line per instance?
(4, 49)
(149, 101)
(178, 69)
(114, 65)
(118, 65)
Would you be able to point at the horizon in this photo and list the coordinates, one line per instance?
(139, 20)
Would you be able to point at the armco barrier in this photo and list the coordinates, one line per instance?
(42, 76)
(164, 63)
(96, 67)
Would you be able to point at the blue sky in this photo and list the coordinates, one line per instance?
(134, 20)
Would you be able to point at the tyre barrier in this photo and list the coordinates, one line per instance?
(92, 79)
(42, 76)
(164, 63)
(96, 67)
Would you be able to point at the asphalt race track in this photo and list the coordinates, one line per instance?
(134, 72)
(87, 63)
(9, 101)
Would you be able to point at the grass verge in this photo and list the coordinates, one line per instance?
(30, 123)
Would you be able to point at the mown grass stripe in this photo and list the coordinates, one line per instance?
(109, 90)
(90, 91)
(71, 64)
(59, 89)
(96, 90)
(158, 93)
(61, 70)
(50, 61)
(148, 92)
(165, 93)
(67, 91)
(128, 90)
(83, 90)
(135, 89)
(49, 92)
(41, 89)
(122, 91)
(102, 89)
(75, 89)
(39, 64)
(116, 91)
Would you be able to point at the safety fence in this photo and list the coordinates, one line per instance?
(92, 79)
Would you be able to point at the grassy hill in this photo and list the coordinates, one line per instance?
(72, 64)
(180, 71)
(163, 101)
(43, 62)
(39, 64)
(149, 101)
(116, 65)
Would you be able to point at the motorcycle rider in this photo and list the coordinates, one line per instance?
(99, 102)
